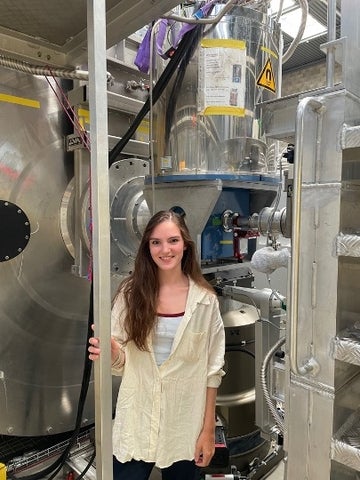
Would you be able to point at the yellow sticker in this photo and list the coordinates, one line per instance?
(83, 116)
(266, 78)
(26, 102)
(3, 471)
(224, 110)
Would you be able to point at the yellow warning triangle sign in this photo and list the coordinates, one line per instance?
(266, 78)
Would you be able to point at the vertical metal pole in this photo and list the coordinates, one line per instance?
(350, 21)
(330, 56)
(96, 23)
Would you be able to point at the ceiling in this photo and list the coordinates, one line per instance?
(53, 32)
(309, 52)
(49, 32)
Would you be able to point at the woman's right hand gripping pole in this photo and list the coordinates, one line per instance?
(117, 353)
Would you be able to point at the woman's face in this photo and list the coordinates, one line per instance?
(167, 246)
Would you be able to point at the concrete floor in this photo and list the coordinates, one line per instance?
(277, 474)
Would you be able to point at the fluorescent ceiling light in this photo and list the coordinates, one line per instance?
(290, 23)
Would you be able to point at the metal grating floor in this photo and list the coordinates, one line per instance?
(11, 447)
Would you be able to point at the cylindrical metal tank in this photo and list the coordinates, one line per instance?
(236, 394)
(43, 307)
(44, 297)
(210, 118)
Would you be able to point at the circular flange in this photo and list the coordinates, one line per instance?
(14, 230)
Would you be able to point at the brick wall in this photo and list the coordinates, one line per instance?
(308, 78)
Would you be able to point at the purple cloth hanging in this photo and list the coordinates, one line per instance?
(142, 59)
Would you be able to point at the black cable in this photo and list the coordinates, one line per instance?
(170, 112)
(83, 473)
(158, 89)
(60, 461)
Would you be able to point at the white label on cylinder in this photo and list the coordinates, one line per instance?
(222, 71)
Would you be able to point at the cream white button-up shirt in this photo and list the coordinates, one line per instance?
(160, 410)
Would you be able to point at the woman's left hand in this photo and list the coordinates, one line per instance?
(205, 448)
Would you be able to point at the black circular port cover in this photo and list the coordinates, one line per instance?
(14, 230)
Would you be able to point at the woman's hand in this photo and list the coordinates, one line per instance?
(94, 348)
(205, 445)
(205, 448)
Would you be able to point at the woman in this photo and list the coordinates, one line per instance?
(168, 344)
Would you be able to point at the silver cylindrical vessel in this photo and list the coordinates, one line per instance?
(236, 395)
(44, 307)
(210, 118)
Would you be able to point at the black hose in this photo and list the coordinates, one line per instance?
(60, 461)
(83, 473)
(239, 348)
(175, 90)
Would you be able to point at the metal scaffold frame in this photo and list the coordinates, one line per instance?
(100, 232)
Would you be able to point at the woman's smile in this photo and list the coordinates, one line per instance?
(167, 245)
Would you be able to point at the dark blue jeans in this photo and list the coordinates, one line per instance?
(139, 470)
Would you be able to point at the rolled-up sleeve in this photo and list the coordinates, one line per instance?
(216, 347)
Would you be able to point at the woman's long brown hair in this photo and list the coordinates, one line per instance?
(141, 288)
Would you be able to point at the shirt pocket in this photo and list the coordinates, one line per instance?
(191, 346)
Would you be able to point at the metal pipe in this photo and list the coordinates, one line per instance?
(73, 74)
(330, 54)
(207, 21)
(235, 399)
(276, 416)
(96, 21)
(311, 364)
(304, 15)
(279, 13)
(257, 297)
